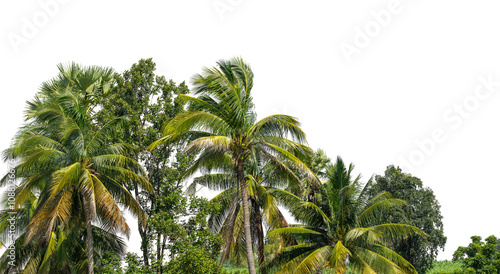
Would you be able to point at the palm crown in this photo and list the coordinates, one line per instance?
(338, 229)
(222, 131)
(65, 158)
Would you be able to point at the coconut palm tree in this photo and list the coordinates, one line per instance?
(261, 177)
(318, 163)
(64, 157)
(222, 129)
(65, 252)
(91, 84)
(337, 229)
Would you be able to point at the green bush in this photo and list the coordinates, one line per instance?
(194, 261)
(445, 267)
(479, 256)
(231, 269)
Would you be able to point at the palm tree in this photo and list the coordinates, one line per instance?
(221, 128)
(64, 156)
(261, 177)
(336, 230)
(318, 163)
(64, 252)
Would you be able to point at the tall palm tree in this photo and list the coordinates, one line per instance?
(64, 156)
(261, 177)
(337, 229)
(222, 130)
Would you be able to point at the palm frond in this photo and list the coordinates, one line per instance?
(338, 258)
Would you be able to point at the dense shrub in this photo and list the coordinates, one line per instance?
(479, 256)
(193, 261)
(445, 267)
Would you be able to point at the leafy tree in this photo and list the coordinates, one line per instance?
(134, 264)
(479, 256)
(190, 229)
(65, 161)
(221, 123)
(147, 100)
(422, 211)
(319, 164)
(194, 261)
(109, 263)
(184, 226)
(339, 229)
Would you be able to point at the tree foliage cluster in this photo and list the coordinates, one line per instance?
(480, 256)
(96, 142)
(422, 211)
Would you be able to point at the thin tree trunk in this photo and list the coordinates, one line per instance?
(90, 242)
(142, 233)
(246, 216)
(158, 253)
(140, 223)
(163, 252)
(260, 234)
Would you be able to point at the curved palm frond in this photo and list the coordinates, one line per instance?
(341, 238)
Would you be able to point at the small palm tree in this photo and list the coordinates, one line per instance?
(65, 158)
(336, 229)
(222, 130)
(318, 163)
(261, 177)
(64, 252)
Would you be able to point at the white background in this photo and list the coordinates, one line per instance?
(404, 80)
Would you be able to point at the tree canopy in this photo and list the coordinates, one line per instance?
(422, 210)
(480, 256)
(341, 228)
(95, 143)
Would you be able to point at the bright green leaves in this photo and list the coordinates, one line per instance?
(479, 256)
(343, 236)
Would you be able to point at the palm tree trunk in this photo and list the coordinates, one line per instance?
(90, 242)
(246, 216)
(260, 234)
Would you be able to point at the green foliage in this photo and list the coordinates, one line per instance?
(83, 152)
(234, 270)
(339, 229)
(318, 163)
(71, 178)
(148, 100)
(193, 233)
(446, 267)
(221, 130)
(479, 256)
(194, 261)
(187, 234)
(422, 211)
(331, 271)
(109, 263)
(134, 265)
(262, 176)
